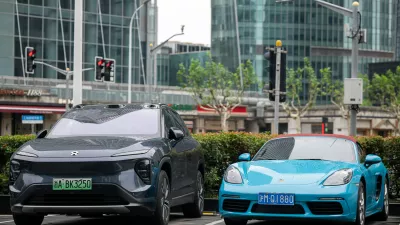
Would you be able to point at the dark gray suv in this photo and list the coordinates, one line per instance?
(109, 159)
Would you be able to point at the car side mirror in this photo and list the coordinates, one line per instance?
(244, 157)
(371, 159)
(175, 133)
(41, 134)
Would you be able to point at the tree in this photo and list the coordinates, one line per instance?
(334, 89)
(215, 88)
(385, 90)
(296, 108)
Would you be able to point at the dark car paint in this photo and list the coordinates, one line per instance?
(182, 156)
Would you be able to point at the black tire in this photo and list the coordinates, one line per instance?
(23, 219)
(384, 214)
(161, 215)
(360, 215)
(229, 221)
(195, 209)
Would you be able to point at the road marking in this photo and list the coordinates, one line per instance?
(215, 222)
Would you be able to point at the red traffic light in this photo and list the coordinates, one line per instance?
(100, 62)
(109, 63)
(32, 53)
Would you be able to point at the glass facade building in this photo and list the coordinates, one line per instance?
(48, 26)
(306, 30)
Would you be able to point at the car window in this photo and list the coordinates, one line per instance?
(361, 153)
(181, 124)
(292, 148)
(100, 122)
(168, 121)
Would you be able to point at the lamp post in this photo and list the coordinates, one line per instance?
(153, 53)
(354, 14)
(130, 51)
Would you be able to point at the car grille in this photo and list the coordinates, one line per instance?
(278, 209)
(235, 205)
(81, 168)
(74, 200)
(325, 208)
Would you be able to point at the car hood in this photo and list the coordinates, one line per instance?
(288, 172)
(87, 146)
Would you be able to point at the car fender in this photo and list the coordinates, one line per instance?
(165, 159)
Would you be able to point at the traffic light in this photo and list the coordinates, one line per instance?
(270, 55)
(325, 125)
(109, 70)
(99, 68)
(30, 55)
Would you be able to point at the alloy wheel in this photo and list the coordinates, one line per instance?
(200, 190)
(164, 200)
(361, 208)
(386, 200)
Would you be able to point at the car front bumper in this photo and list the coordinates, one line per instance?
(311, 202)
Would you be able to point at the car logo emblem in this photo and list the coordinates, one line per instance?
(281, 180)
(74, 153)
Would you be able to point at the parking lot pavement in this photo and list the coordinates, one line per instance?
(176, 219)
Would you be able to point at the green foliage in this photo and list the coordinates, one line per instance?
(297, 107)
(215, 87)
(222, 149)
(385, 90)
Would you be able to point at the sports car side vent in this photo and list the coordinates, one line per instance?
(325, 208)
(378, 187)
(278, 209)
(235, 205)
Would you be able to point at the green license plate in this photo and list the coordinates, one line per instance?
(72, 184)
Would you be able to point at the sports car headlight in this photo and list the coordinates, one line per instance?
(339, 177)
(232, 175)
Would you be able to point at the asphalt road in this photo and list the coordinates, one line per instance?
(176, 219)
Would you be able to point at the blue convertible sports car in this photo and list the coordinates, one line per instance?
(324, 177)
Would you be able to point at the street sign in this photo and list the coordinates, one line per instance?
(32, 119)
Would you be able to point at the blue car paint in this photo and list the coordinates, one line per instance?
(305, 179)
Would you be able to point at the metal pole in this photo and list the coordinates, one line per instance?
(78, 52)
(20, 42)
(67, 91)
(155, 70)
(354, 67)
(277, 86)
(130, 53)
(238, 42)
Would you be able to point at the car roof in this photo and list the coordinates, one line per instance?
(121, 106)
(350, 138)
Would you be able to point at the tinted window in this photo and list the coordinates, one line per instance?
(181, 124)
(168, 121)
(326, 148)
(108, 123)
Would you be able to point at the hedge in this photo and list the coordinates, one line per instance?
(221, 149)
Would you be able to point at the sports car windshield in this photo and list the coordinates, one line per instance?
(103, 123)
(307, 148)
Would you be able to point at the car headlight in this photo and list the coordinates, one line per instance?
(339, 177)
(27, 154)
(232, 175)
(138, 152)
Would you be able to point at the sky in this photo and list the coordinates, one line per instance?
(194, 14)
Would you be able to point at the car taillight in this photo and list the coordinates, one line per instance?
(143, 169)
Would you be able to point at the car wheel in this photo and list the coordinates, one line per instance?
(360, 215)
(23, 219)
(384, 214)
(195, 209)
(162, 212)
(229, 221)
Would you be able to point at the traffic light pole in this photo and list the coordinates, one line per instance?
(277, 87)
(67, 74)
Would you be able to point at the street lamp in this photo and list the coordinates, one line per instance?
(153, 53)
(130, 51)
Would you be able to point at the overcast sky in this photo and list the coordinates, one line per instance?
(194, 14)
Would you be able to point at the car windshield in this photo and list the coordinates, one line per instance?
(98, 122)
(307, 148)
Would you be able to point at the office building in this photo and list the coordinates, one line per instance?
(306, 30)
